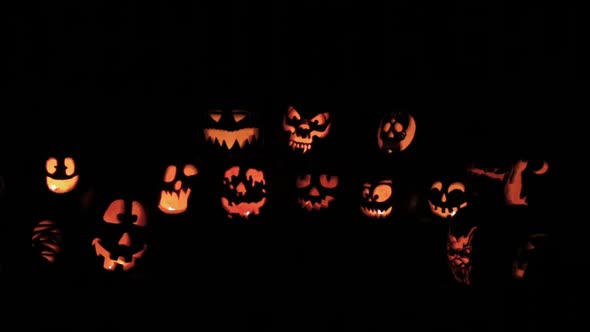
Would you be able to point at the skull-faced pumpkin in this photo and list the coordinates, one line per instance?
(305, 129)
(377, 199)
(122, 235)
(62, 174)
(234, 129)
(459, 253)
(47, 240)
(244, 191)
(176, 191)
(316, 190)
(396, 131)
(446, 198)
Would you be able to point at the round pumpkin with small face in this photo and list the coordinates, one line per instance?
(121, 239)
(62, 174)
(317, 190)
(448, 196)
(396, 131)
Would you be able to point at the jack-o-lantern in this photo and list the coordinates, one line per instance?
(305, 129)
(316, 190)
(174, 196)
(377, 199)
(459, 255)
(524, 254)
(396, 131)
(62, 174)
(512, 179)
(447, 197)
(47, 240)
(244, 191)
(234, 129)
(122, 235)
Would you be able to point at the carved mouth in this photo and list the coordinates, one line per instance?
(376, 213)
(231, 139)
(174, 202)
(310, 205)
(111, 264)
(61, 186)
(300, 146)
(443, 211)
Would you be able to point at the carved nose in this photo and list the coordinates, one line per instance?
(314, 192)
(125, 240)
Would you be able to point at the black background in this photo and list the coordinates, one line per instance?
(125, 85)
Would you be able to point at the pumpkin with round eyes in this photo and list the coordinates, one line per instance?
(377, 199)
(47, 240)
(121, 241)
(305, 129)
(174, 196)
(234, 129)
(62, 174)
(316, 190)
(244, 191)
(396, 131)
(446, 198)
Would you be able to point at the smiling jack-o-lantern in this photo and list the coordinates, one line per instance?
(244, 192)
(316, 191)
(396, 131)
(305, 130)
(231, 130)
(47, 240)
(122, 241)
(377, 199)
(174, 197)
(459, 254)
(62, 174)
(446, 198)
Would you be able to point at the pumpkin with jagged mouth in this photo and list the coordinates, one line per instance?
(174, 197)
(62, 174)
(231, 130)
(244, 192)
(305, 130)
(377, 199)
(316, 191)
(121, 242)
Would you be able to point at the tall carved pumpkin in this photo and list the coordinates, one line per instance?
(459, 251)
(174, 196)
(396, 131)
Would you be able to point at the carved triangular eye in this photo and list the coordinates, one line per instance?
(239, 115)
(215, 115)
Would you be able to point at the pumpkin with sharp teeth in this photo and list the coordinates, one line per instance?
(305, 128)
(177, 188)
(231, 130)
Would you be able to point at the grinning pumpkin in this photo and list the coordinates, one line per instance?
(316, 191)
(235, 129)
(377, 199)
(396, 131)
(122, 235)
(447, 197)
(244, 191)
(305, 129)
(459, 253)
(47, 240)
(61, 174)
(176, 191)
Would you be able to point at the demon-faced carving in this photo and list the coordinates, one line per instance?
(305, 130)
(459, 256)
(396, 131)
(244, 192)
(316, 191)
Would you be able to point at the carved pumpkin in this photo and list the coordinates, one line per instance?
(459, 253)
(447, 197)
(244, 191)
(235, 129)
(377, 199)
(396, 131)
(122, 235)
(316, 191)
(305, 129)
(174, 196)
(47, 240)
(62, 174)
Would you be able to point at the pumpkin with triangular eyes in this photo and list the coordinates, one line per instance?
(232, 130)
(316, 190)
(305, 129)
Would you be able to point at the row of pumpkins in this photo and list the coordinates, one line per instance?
(244, 191)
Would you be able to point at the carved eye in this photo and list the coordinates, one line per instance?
(190, 170)
(319, 120)
(239, 115)
(215, 115)
(170, 174)
(51, 165)
(328, 181)
(70, 166)
(303, 181)
(292, 114)
(382, 192)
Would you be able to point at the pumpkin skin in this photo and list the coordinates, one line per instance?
(459, 254)
(47, 240)
(396, 131)
(231, 130)
(377, 199)
(305, 129)
(121, 241)
(244, 191)
(177, 188)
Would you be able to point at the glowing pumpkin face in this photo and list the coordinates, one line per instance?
(396, 132)
(174, 197)
(305, 130)
(47, 240)
(122, 240)
(231, 130)
(244, 192)
(459, 250)
(445, 200)
(62, 174)
(316, 192)
(377, 199)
